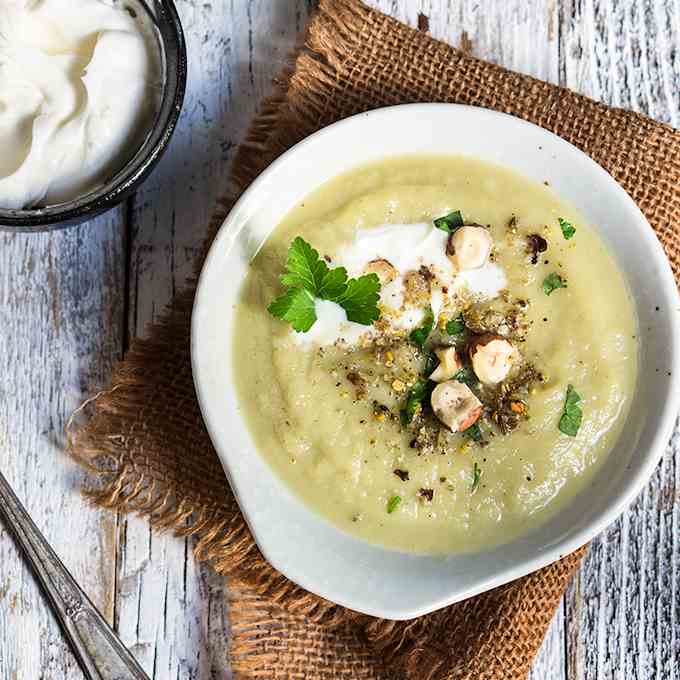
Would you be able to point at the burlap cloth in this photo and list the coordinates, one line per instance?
(144, 439)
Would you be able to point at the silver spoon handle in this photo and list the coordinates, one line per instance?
(101, 654)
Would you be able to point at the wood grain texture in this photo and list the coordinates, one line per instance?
(60, 332)
(64, 320)
(171, 610)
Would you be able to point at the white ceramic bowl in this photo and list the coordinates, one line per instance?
(304, 546)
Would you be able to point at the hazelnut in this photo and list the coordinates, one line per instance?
(449, 364)
(469, 247)
(383, 268)
(455, 405)
(492, 358)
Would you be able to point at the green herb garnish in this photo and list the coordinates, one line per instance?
(476, 476)
(392, 504)
(431, 363)
(420, 335)
(308, 277)
(466, 376)
(360, 299)
(450, 222)
(474, 432)
(568, 229)
(553, 282)
(296, 306)
(305, 269)
(419, 392)
(570, 422)
(456, 326)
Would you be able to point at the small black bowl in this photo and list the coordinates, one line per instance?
(168, 29)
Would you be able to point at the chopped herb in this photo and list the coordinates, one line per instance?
(427, 494)
(392, 504)
(553, 282)
(296, 306)
(419, 392)
(308, 277)
(456, 326)
(570, 422)
(476, 476)
(420, 335)
(450, 222)
(360, 299)
(568, 229)
(474, 432)
(305, 269)
(466, 376)
(402, 474)
(511, 391)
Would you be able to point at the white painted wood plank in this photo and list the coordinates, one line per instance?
(518, 35)
(622, 612)
(171, 610)
(61, 313)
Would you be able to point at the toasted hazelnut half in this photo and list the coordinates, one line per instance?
(383, 268)
(449, 364)
(492, 358)
(455, 405)
(469, 247)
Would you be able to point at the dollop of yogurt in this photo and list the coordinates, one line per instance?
(79, 82)
(408, 248)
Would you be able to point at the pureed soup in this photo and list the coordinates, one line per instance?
(435, 353)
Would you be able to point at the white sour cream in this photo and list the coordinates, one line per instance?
(407, 247)
(79, 82)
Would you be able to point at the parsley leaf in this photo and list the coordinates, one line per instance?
(392, 504)
(553, 282)
(420, 391)
(296, 306)
(568, 229)
(308, 277)
(450, 222)
(476, 476)
(474, 432)
(570, 422)
(305, 268)
(333, 284)
(456, 326)
(467, 377)
(420, 335)
(360, 299)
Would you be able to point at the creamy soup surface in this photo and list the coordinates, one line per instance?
(335, 410)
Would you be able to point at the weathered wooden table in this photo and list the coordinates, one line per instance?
(70, 302)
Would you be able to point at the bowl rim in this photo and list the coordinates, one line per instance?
(564, 546)
(128, 178)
